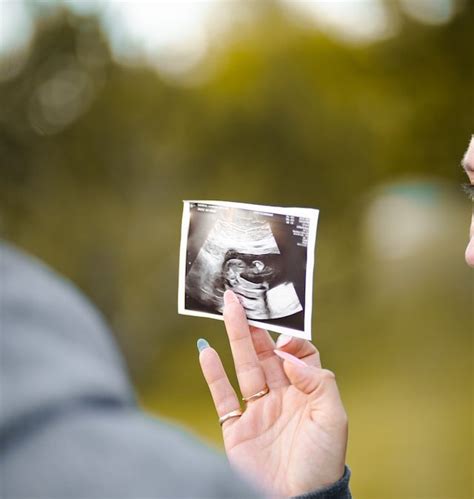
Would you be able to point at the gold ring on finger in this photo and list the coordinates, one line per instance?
(232, 414)
(257, 395)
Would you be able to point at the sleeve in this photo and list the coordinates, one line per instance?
(338, 490)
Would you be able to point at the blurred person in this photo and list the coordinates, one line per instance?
(468, 165)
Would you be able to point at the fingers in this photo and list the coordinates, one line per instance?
(249, 371)
(271, 365)
(222, 392)
(303, 349)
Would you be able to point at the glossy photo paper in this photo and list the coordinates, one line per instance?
(265, 254)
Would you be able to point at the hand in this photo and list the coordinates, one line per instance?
(292, 440)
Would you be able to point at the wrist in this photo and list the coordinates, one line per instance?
(336, 490)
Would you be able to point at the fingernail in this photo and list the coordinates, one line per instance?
(283, 340)
(202, 344)
(230, 297)
(290, 358)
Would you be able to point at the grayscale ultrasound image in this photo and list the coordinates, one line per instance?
(260, 256)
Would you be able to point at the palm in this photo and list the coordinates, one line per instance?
(291, 440)
(277, 437)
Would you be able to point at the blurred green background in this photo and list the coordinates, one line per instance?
(361, 109)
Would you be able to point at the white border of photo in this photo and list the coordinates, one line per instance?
(311, 213)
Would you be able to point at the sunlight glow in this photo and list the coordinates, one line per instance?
(173, 35)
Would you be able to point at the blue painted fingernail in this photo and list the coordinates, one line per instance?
(202, 344)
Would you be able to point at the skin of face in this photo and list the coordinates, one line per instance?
(468, 165)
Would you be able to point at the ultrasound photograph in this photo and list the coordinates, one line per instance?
(264, 254)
